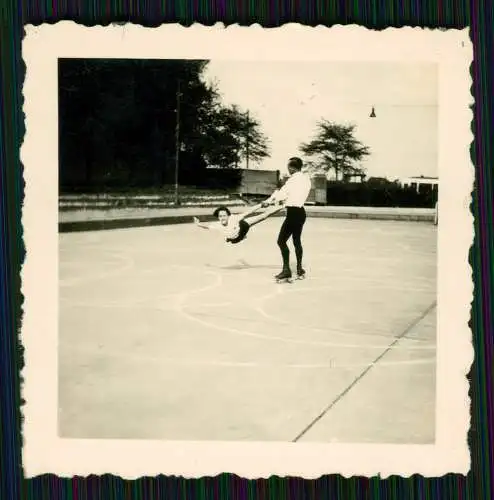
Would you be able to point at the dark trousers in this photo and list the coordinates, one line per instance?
(242, 233)
(292, 226)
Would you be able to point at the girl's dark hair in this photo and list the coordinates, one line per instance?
(216, 213)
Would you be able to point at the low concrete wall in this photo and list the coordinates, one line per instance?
(374, 213)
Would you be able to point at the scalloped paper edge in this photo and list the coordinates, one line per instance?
(44, 452)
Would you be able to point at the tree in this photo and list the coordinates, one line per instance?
(220, 141)
(335, 148)
(234, 136)
(118, 119)
(118, 123)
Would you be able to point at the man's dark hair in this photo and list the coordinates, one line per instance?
(295, 162)
(216, 213)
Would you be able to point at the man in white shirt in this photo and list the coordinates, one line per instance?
(293, 194)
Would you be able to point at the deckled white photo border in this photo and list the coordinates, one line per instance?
(43, 451)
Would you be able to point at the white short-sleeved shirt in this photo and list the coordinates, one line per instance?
(230, 230)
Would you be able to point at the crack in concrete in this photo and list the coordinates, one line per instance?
(340, 396)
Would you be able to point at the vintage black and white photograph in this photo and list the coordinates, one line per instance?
(247, 250)
(199, 331)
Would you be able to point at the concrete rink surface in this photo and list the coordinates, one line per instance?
(169, 333)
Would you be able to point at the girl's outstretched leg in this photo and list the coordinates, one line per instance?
(246, 224)
(244, 228)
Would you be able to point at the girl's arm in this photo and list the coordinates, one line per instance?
(250, 211)
(198, 223)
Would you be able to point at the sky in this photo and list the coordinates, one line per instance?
(289, 98)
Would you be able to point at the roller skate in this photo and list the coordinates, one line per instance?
(284, 277)
(300, 273)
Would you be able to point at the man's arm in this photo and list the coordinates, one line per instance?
(280, 195)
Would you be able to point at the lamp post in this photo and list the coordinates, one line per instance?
(247, 143)
(177, 145)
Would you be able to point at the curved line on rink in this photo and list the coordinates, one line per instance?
(181, 297)
(411, 251)
(245, 333)
(148, 303)
(374, 283)
(193, 250)
(128, 264)
(254, 364)
(331, 365)
(260, 309)
(137, 304)
(419, 286)
(145, 303)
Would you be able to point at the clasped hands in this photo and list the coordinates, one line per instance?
(269, 201)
